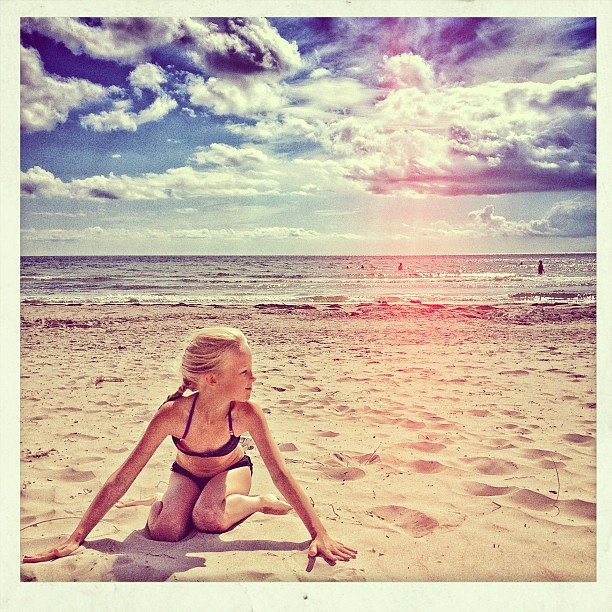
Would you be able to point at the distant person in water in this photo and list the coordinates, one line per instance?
(210, 479)
(540, 267)
(400, 267)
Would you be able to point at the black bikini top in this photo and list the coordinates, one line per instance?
(226, 449)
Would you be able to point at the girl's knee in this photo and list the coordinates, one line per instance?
(165, 527)
(210, 520)
(164, 531)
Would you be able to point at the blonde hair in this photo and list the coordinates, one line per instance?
(207, 352)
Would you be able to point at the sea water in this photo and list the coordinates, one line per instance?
(443, 279)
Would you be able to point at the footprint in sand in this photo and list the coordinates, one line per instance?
(427, 467)
(72, 475)
(409, 424)
(328, 434)
(413, 521)
(514, 372)
(579, 439)
(479, 413)
(427, 447)
(287, 447)
(342, 473)
(74, 437)
(485, 465)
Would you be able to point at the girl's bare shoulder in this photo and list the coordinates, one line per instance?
(245, 414)
(173, 412)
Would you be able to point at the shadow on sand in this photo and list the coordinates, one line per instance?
(141, 559)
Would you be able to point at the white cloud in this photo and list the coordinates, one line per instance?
(147, 76)
(567, 219)
(235, 96)
(225, 155)
(326, 97)
(175, 183)
(269, 234)
(490, 138)
(116, 38)
(240, 45)
(123, 118)
(217, 45)
(46, 100)
(318, 73)
(407, 70)
(41, 183)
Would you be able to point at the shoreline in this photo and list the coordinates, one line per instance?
(411, 427)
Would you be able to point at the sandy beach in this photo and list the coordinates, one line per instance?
(445, 443)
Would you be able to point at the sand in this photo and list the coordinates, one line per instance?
(445, 443)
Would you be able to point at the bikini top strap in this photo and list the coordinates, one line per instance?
(229, 419)
(195, 397)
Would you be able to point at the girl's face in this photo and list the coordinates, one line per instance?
(235, 377)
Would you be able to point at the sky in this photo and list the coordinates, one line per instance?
(307, 135)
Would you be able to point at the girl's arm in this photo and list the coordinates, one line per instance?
(113, 489)
(322, 542)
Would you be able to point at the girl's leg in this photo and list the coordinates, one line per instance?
(170, 519)
(225, 501)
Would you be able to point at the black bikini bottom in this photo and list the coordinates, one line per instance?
(202, 481)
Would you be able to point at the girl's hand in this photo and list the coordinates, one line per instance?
(63, 550)
(333, 551)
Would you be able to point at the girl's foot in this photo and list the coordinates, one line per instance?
(272, 505)
(139, 502)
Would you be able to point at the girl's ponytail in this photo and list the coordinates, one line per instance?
(178, 393)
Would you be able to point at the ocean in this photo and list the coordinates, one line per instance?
(219, 280)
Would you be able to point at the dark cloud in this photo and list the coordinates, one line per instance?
(103, 194)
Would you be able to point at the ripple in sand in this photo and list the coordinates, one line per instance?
(484, 490)
(537, 453)
(533, 500)
(551, 465)
(580, 509)
(413, 521)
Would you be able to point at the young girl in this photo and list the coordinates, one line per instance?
(211, 478)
